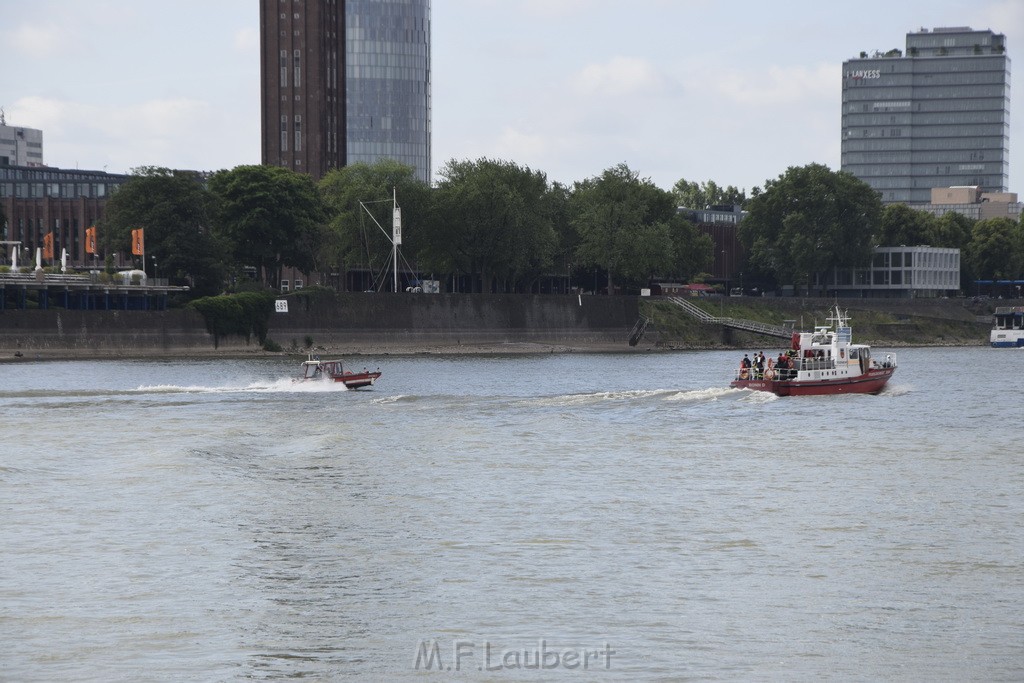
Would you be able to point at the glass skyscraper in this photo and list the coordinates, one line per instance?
(387, 81)
(345, 81)
(937, 116)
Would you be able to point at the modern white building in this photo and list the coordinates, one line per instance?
(20, 146)
(899, 272)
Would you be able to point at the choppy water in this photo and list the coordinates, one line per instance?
(622, 517)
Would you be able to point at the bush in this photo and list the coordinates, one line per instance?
(246, 314)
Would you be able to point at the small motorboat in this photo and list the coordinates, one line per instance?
(334, 371)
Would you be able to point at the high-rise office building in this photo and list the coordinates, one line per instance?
(937, 116)
(345, 81)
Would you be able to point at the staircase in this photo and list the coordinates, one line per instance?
(735, 323)
(638, 330)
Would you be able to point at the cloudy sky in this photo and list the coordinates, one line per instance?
(733, 92)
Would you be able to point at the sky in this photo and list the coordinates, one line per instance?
(733, 92)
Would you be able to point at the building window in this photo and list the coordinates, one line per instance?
(284, 285)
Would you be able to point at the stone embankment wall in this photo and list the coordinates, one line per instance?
(433, 320)
(369, 323)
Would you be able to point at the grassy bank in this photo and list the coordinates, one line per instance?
(876, 322)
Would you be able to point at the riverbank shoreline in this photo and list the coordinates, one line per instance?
(361, 351)
(474, 325)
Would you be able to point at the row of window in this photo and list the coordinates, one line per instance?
(54, 190)
(997, 146)
(992, 117)
(905, 278)
(928, 92)
(918, 132)
(923, 107)
(908, 159)
(886, 178)
(948, 259)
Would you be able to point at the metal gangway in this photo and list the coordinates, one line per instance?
(735, 323)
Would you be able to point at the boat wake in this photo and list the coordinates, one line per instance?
(897, 390)
(285, 385)
(692, 396)
(706, 395)
(568, 400)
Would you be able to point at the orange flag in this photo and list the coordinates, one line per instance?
(90, 240)
(48, 245)
(138, 242)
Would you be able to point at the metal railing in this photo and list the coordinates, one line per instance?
(735, 323)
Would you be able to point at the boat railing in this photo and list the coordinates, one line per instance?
(888, 362)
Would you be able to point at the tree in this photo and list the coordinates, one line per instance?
(693, 251)
(494, 221)
(610, 211)
(353, 237)
(646, 251)
(809, 220)
(270, 216)
(995, 248)
(903, 226)
(952, 231)
(692, 195)
(173, 209)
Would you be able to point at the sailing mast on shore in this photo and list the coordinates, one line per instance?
(396, 231)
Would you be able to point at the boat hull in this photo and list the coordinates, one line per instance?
(356, 380)
(870, 383)
(1002, 342)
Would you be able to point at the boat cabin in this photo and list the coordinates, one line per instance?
(1008, 318)
(312, 370)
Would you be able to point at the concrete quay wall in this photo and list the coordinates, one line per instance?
(432, 320)
(358, 322)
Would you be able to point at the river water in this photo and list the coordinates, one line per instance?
(602, 517)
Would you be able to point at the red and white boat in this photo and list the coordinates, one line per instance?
(824, 361)
(333, 371)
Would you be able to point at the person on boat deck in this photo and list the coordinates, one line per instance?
(758, 366)
(745, 367)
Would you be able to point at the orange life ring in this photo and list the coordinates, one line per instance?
(769, 374)
(743, 373)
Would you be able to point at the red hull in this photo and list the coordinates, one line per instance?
(356, 380)
(871, 383)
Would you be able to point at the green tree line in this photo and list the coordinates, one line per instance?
(500, 226)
